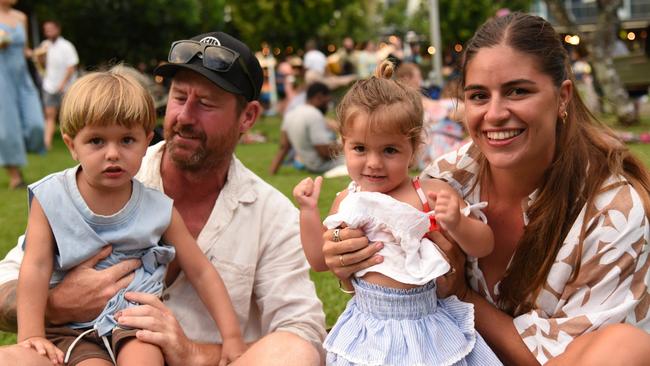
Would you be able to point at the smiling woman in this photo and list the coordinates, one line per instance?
(567, 202)
(512, 109)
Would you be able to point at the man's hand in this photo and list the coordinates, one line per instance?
(157, 326)
(64, 303)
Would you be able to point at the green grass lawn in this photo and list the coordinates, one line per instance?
(13, 211)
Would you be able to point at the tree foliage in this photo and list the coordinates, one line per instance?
(601, 45)
(291, 23)
(130, 30)
(458, 19)
(141, 30)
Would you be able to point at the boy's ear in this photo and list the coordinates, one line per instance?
(69, 143)
(149, 138)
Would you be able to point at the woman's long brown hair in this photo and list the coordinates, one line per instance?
(587, 153)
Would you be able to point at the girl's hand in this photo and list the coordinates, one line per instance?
(351, 253)
(307, 192)
(447, 210)
(44, 348)
(231, 350)
(454, 282)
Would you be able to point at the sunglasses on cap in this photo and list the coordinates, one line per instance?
(216, 58)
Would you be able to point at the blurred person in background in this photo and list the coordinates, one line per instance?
(306, 131)
(21, 116)
(443, 128)
(61, 62)
(314, 62)
(315, 65)
(347, 57)
(367, 59)
(585, 79)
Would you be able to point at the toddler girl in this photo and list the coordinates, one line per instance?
(107, 119)
(395, 317)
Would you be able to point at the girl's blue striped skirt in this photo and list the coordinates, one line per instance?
(387, 326)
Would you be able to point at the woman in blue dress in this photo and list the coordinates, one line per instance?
(21, 114)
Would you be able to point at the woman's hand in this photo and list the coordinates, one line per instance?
(454, 282)
(351, 253)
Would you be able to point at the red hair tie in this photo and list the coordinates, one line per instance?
(433, 224)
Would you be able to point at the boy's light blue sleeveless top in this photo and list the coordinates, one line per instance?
(134, 232)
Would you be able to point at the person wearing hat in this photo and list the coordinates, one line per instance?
(246, 228)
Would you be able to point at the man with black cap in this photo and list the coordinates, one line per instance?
(246, 228)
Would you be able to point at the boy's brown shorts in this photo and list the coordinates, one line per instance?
(90, 346)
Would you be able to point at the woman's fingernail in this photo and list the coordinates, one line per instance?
(379, 245)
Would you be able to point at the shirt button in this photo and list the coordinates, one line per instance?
(165, 297)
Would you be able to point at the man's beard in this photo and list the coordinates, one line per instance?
(197, 159)
(202, 158)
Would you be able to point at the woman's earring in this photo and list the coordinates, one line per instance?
(565, 115)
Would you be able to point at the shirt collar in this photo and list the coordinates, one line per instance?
(239, 185)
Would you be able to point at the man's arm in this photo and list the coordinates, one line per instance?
(69, 71)
(9, 267)
(72, 58)
(321, 137)
(327, 152)
(8, 322)
(64, 303)
(283, 150)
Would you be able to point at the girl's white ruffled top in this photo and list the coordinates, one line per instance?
(409, 257)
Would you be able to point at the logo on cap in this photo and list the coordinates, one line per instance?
(211, 41)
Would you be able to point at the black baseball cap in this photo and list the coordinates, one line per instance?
(240, 79)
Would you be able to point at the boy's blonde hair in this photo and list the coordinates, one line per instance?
(390, 105)
(106, 98)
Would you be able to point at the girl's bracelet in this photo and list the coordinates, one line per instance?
(349, 292)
